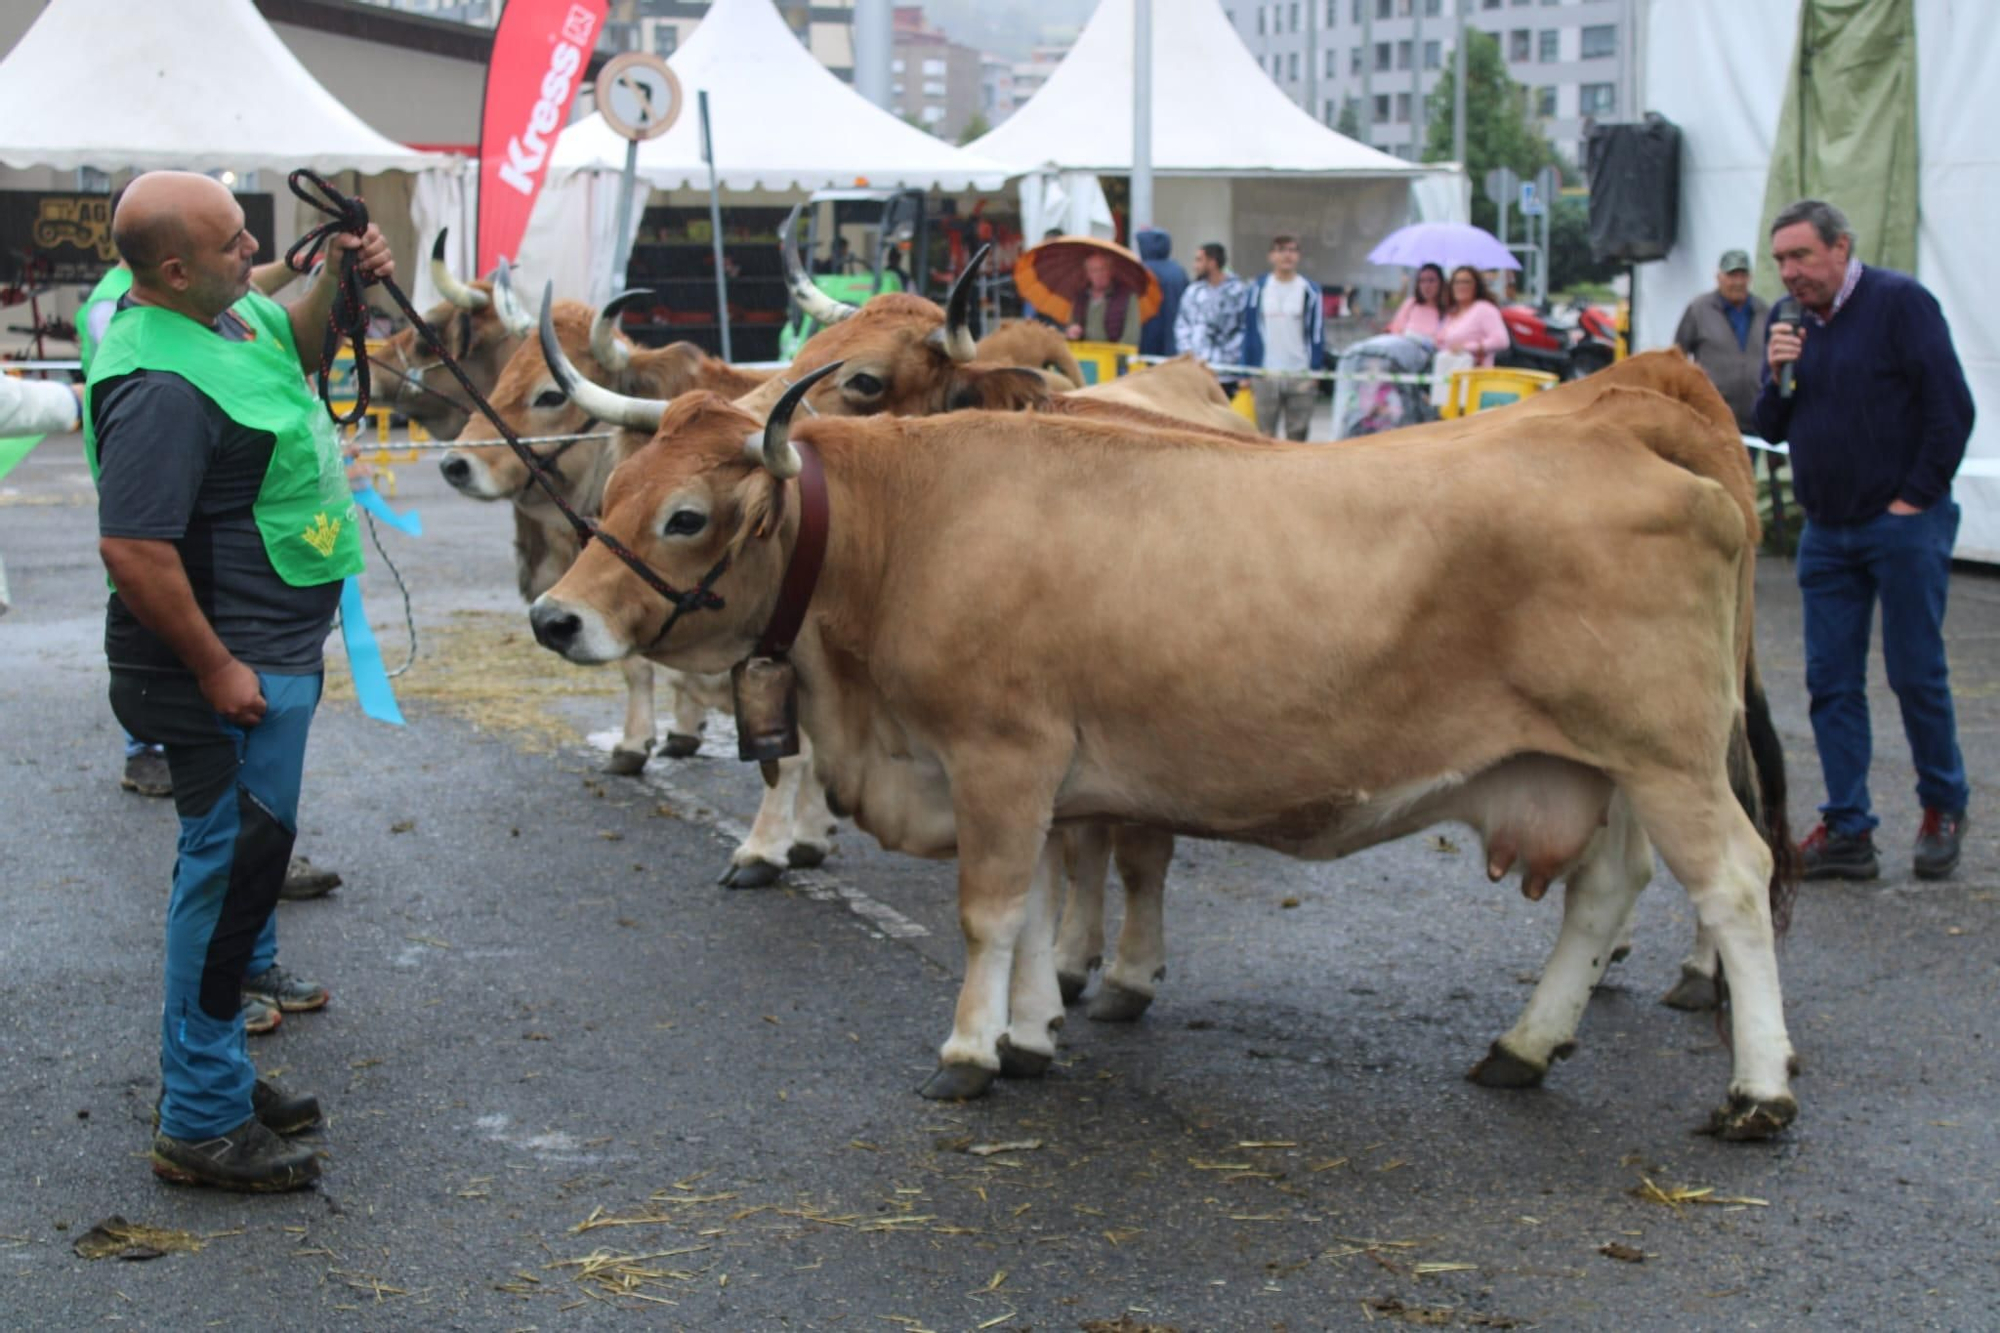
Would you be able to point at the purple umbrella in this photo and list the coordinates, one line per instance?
(1446, 244)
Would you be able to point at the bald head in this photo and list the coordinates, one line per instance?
(183, 237)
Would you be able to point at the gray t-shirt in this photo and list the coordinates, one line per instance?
(174, 467)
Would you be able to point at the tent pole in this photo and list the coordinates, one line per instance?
(1141, 203)
(1458, 89)
(715, 228)
(621, 255)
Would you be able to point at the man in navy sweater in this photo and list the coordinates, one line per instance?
(1877, 418)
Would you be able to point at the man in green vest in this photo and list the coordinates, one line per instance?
(226, 525)
(145, 769)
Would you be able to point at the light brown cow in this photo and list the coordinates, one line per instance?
(1029, 342)
(1570, 686)
(481, 328)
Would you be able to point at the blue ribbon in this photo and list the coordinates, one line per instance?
(371, 499)
(364, 658)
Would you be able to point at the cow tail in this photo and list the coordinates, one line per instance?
(1757, 776)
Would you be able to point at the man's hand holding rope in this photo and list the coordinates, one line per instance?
(372, 261)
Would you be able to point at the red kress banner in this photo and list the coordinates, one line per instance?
(540, 53)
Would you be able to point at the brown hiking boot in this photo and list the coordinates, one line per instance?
(1827, 854)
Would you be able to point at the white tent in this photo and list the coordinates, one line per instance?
(779, 121)
(198, 85)
(1709, 67)
(1233, 157)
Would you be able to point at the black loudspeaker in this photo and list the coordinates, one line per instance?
(1635, 189)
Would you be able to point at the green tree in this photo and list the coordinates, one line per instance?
(1498, 132)
(1570, 262)
(974, 128)
(1349, 123)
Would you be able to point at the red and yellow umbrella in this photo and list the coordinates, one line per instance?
(1050, 276)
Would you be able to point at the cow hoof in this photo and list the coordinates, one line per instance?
(1747, 1119)
(751, 875)
(680, 745)
(806, 855)
(1019, 1062)
(1695, 992)
(626, 763)
(957, 1083)
(1503, 1069)
(1072, 985)
(1114, 1003)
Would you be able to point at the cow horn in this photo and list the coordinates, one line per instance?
(606, 347)
(598, 401)
(513, 316)
(955, 338)
(781, 459)
(447, 283)
(816, 303)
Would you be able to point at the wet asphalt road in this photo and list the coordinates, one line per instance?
(545, 1013)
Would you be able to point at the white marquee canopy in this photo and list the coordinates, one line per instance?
(198, 85)
(780, 121)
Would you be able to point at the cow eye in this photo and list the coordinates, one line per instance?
(685, 522)
(551, 398)
(864, 384)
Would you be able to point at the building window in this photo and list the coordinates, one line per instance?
(1383, 55)
(1520, 45)
(1326, 112)
(1432, 8)
(931, 115)
(1260, 20)
(1433, 55)
(1385, 9)
(1521, 3)
(1600, 41)
(1295, 18)
(1597, 99)
(1545, 101)
(1489, 4)
(1332, 14)
(1402, 55)
(1381, 108)
(1332, 61)
(1354, 60)
(934, 88)
(1354, 13)
(933, 67)
(1551, 43)
(1292, 67)
(1402, 108)
(895, 67)
(666, 38)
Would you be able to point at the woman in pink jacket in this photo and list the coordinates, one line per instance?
(1423, 313)
(1474, 324)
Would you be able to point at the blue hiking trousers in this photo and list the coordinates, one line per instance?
(237, 794)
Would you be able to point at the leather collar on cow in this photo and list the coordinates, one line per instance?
(808, 556)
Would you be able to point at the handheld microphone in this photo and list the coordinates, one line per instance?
(1785, 315)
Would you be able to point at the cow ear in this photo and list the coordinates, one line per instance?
(761, 498)
(1002, 389)
(626, 443)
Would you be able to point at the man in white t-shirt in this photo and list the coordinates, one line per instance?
(1285, 330)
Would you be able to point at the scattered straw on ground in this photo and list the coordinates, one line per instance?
(486, 667)
(1676, 1197)
(114, 1237)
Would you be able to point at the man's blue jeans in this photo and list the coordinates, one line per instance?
(1904, 561)
(237, 794)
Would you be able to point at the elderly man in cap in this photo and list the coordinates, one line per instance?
(1723, 332)
(226, 525)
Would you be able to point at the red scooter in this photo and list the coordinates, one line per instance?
(1568, 344)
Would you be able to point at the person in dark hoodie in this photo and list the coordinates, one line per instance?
(1156, 335)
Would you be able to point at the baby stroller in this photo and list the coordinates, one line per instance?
(1364, 406)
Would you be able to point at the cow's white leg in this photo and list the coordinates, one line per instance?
(1002, 833)
(1713, 849)
(629, 755)
(1034, 1002)
(687, 713)
(1080, 943)
(1700, 986)
(760, 859)
(1597, 903)
(1130, 981)
(812, 823)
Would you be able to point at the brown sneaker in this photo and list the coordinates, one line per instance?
(304, 880)
(146, 773)
(249, 1158)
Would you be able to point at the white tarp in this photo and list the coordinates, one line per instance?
(780, 121)
(199, 85)
(1715, 68)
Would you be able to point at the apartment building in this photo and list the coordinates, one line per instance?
(933, 81)
(1372, 63)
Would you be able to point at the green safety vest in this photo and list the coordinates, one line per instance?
(304, 509)
(111, 287)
